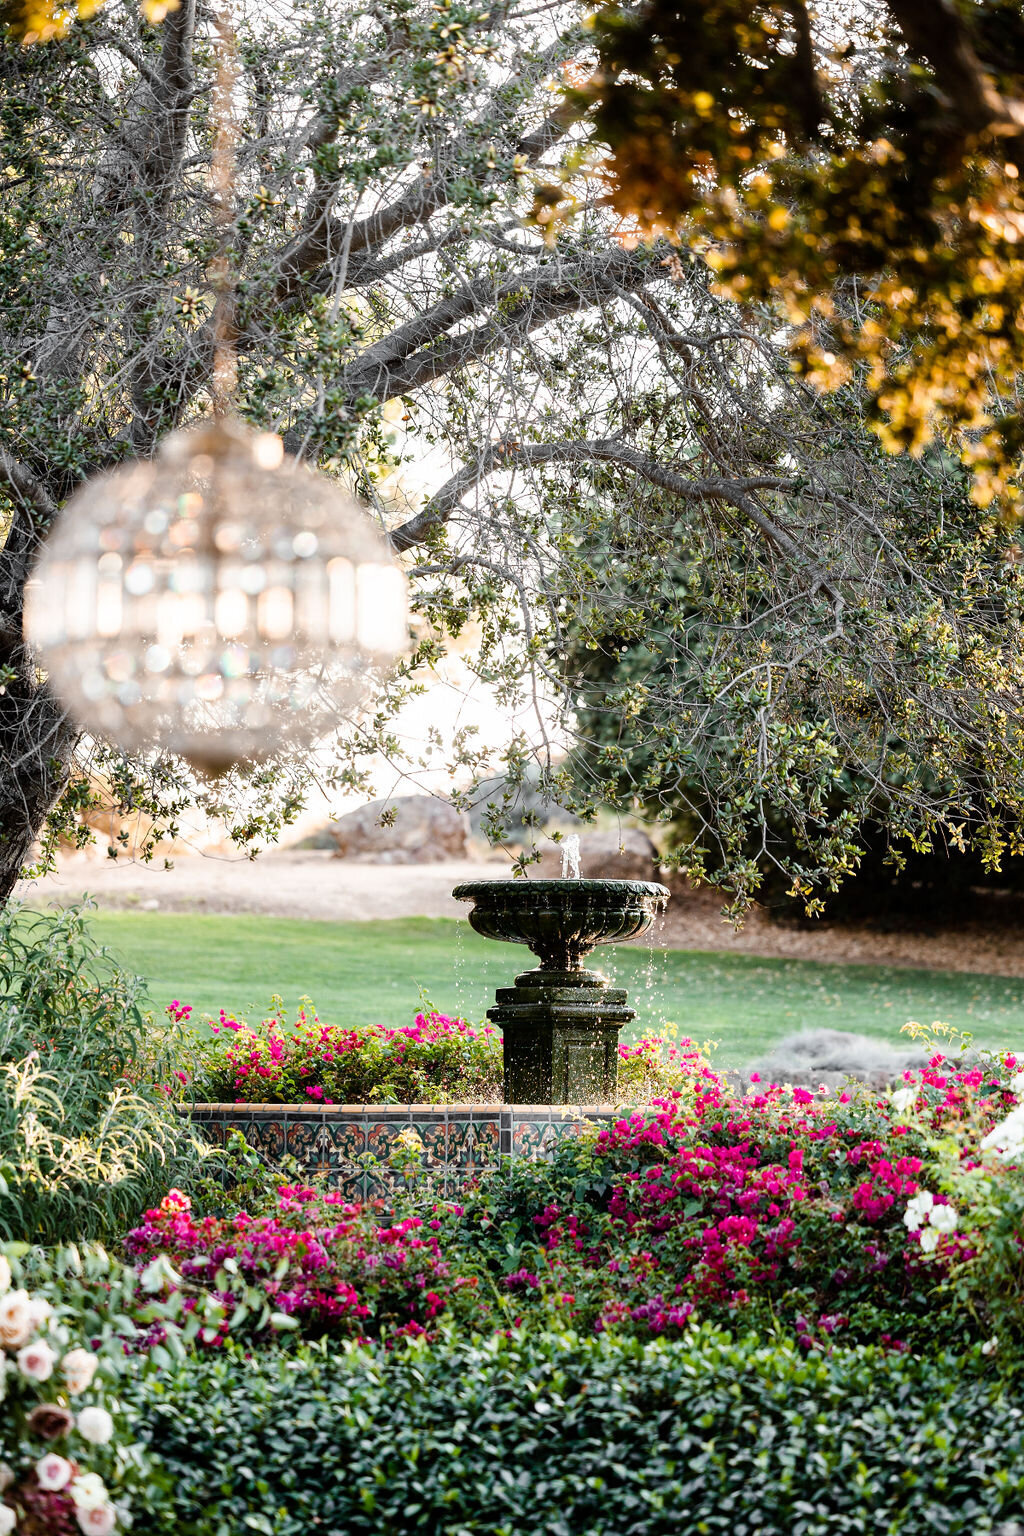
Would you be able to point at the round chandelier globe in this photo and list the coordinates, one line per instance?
(222, 601)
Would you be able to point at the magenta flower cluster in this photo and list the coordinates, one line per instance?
(331, 1264)
(437, 1057)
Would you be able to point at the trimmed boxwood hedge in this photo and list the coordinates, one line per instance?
(557, 1435)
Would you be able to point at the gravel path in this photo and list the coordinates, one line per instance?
(317, 885)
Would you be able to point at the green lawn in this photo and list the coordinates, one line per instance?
(363, 972)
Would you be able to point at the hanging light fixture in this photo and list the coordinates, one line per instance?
(221, 601)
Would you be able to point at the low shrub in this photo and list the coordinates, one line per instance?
(88, 1132)
(554, 1434)
(436, 1059)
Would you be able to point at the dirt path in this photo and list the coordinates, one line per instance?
(316, 885)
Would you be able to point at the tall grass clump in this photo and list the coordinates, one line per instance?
(89, 1135)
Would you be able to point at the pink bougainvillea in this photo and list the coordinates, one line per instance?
(279, 1061)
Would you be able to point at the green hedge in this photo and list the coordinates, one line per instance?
(560, 1436)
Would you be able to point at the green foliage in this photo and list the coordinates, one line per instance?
(557, 1434)
(856, 169)
(88, 1129)
(778, 764)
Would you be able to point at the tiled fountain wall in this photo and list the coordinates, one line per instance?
(352, 1144)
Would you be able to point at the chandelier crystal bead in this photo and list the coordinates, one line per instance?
(221, 601)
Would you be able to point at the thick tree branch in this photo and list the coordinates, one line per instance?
(390, 368)
(503, 456)
(313, 245)
(23, 487)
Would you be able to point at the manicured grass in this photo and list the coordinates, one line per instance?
(374, 972)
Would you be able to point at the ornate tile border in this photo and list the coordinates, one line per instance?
(357, 1146)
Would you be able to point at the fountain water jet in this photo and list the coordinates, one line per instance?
(560, 1022)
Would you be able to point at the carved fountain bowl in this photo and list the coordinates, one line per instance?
(562, 920)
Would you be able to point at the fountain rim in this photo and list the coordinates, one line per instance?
(469, 890)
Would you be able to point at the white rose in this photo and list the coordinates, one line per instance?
(35, 1360)
(39, 1310)
(5, 1273)
(990, 1346)
(79, 1367)
(99, 1519)
(904, 1099)
(15, 1319)
(916, 1213)
(943, 1218)
(1017, 1084)
(8, 1519)
(88, 1491)
(54, 1472)
(95, 1425)
(929, 1240)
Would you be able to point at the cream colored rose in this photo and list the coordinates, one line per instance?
(88, 1491)
(95, 1425)
(8, 1520)
(15, 1319)
(39, 1310)
(79, 1367)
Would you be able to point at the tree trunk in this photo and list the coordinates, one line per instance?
(36, 741)
(36, 735)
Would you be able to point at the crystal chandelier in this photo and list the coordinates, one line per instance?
(221, 601)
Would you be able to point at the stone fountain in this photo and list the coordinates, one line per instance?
(560, 1022)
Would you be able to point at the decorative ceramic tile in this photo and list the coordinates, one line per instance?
(352, 1145)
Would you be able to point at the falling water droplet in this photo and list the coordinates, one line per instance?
(460, 960)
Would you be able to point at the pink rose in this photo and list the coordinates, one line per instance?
(35, 1360)
(54, 1472)
(100, 1520)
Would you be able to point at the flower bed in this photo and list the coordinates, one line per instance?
(434, 1060)
(788, 1312)
(838, 1216)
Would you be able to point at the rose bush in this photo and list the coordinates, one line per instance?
(69, 1456)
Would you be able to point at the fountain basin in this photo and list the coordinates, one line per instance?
(561, 921)
(561, 1023)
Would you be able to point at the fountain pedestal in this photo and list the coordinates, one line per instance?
(560, 1022)
(561, 1032)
